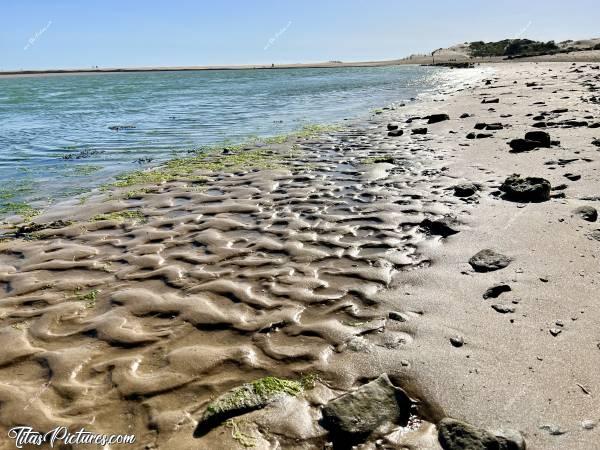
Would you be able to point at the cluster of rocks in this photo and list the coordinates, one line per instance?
(394, 128)
(370, 414)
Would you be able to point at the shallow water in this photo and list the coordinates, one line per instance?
(55, 139)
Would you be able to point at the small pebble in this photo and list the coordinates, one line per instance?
(457, 341)
(554, 430)
(588, 424)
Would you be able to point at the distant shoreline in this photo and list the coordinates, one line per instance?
(321, 65)
(441, 59)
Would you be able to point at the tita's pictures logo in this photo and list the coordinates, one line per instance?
(61, 435)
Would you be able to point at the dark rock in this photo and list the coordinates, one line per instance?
(465, 190)
(480, 125)
(539, 125)
(121, 127)
(596, 142)
(419, 131)
(457, 341)
(441, 227)
(488, 260)
(492, 100)
(353, 416)
(573, 123)
(465, 115)
(494, 126)
(392, 126)
(456, 435)
(541, 137)
(555, 331)
(530, 189)
(484, 135)
(522, 145)
(560, 110)
(594, 125)
(435, 118)
(503, 309)
(587, 213)
(496, 290)
(594, 235)
(395, 133)
(471, 136)
(572, 176)
(398, 317)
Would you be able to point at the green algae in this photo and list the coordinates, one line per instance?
(89, 297)
(84, 170)
(250, 396)
(270, 386)
(238, 435)
(130, 214)
(224, 157)
(24, 210)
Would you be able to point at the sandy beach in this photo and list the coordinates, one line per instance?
(311, 266)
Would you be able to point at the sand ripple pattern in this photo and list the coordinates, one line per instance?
(133, 326)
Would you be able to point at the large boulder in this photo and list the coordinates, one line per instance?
(529, 189)
(456, 435)
(488, 260)
(355, 415)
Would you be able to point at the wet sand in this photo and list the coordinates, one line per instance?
(314, 260)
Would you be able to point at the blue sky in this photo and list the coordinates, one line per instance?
(111, 33)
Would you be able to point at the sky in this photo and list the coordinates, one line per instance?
(44, 34)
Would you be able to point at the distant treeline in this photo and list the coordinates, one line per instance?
(512, 47)
(519, 48)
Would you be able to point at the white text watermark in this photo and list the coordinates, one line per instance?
(35, 37)
(277, 35)
(61, 435)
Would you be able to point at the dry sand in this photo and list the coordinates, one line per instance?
(135, 325)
